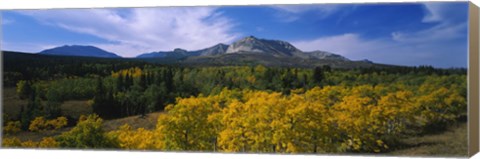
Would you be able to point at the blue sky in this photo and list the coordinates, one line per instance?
(433, 33)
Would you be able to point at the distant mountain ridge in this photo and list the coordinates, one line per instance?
(181, 53)
(326, 55)
(249, 50)
(176, 53)
(79, 50)
(249, 45)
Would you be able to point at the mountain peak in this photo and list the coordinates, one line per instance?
(366, 60)
(249, 38)
(220, 44)
(251, 44)
(179, 50)
(79, 50)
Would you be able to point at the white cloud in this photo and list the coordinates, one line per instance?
(433, 12)
(349, 45)
(354, 47)
(324, 8)
(441, 45)
(437, 33)
(443, 12)
(134, 31)
(450, 24)
(290, 13)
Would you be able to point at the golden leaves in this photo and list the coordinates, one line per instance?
(12, 127)
(40, 124)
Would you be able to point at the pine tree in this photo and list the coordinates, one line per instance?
(99, 101)
(168, 79)
(318, 75)
(143, 82)
(120, 83)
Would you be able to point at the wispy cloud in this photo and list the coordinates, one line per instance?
(444, 12)
(6, 21)
(437, 33)
(350, 45)
(290, 13)
(449, 24)
(134, 31)
(433, 12)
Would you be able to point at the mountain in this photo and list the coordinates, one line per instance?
(277, 48)
(153, 55)
(251, 44)
(326, 55)
(77, 50)
(251, 50)
(176, 54)
(181, 53)
(212, 51)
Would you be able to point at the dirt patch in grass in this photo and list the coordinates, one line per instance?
(75, 108)
(11, 103)
(147, 122)
(36, 136)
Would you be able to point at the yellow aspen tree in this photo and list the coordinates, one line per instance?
(233, 138)
(186, 125)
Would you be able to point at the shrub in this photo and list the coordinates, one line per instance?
(88, 133)
(29, 144)
(48, 142)
(12, 127)
(11, 142)
(57, 123)
(40, 124)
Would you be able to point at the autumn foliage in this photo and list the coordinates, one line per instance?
(331, 119)
(339, 112)
(41, 124)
